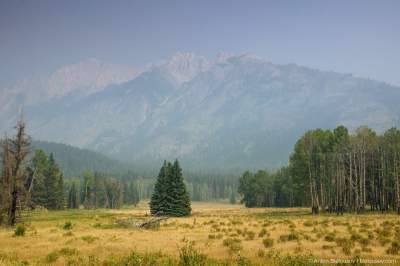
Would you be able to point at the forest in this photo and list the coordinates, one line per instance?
(329, 170)
(333, 171)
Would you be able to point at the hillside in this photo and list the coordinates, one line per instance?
(234, 113)
(74, 161)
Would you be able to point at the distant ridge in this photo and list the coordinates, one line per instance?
(75, 161)
(234, 113)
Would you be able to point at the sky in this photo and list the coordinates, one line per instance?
(358, 37)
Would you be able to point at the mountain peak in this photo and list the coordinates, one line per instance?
(185, 66)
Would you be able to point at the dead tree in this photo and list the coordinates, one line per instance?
(15, 152)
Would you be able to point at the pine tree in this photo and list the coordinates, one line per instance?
(158, 201)
(54, 185)
(232, 197)
(170, 196)
(73, 199)
(36, 179)
(180, 200)
(135, 195)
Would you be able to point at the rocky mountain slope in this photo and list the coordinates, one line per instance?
(236, 112)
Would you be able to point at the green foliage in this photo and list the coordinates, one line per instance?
(73, 197)
(67, 225)
(188, 256)
(233, 244)
(268, 242)
(52, 256)
(289, 237)
(46, 182)
(170, 196)
(19, 230)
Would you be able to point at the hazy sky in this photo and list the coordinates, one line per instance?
(360, 37)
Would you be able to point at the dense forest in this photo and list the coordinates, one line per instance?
(329, 170)
(74, 161)
(332, 170)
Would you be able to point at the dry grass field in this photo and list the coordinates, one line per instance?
(215, 234)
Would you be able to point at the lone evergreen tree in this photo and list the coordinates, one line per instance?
(170, 196)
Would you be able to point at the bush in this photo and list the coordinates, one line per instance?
(289, 237)
(268, 242)
(330, 237)
(68, 251)
(234, 244)
(260, 253)
(250, 235)
(262, 233)
(67, 225)
(394, 249)
(52, 256)
(308, 223)
(188, 256)
(89, 239)
(346, 245)
(19, 230)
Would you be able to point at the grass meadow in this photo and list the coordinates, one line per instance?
(215, 234)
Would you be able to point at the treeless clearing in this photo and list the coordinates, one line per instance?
(220, 231)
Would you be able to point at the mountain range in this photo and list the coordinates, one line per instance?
(235, 112)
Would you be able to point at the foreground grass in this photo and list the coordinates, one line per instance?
(216, 234)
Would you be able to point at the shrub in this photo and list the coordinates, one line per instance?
(308, 223)
(68, 251)
(243, 261)
(234, 244)
(394, 248)
(330, 237)
(260, 253)
(299, 260)
(268, 242)
(89, 239)
(262, 233)
(289, 237)
(133, 259)
(67, 225)
(52, 256)
(19, 230)
(250, 235)
(367, 250)
(346, 245)
(188, 256)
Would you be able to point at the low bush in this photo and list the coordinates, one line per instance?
(289, 237)
(67, 226)
(19, 230)
(268, 242)
(188, 256)
(233, 244)
(52, 256)
(394, 249)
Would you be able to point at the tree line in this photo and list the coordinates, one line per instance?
(99, 190)
(334, 171)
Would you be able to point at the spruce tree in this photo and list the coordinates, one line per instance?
(180, 200)
(73, 200)
(158, 201)
(36, 179)
(170, 196)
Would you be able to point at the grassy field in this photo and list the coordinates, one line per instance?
(216, 234)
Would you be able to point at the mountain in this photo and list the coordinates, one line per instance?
(236, 112)
(71, 81)
(74, 161)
